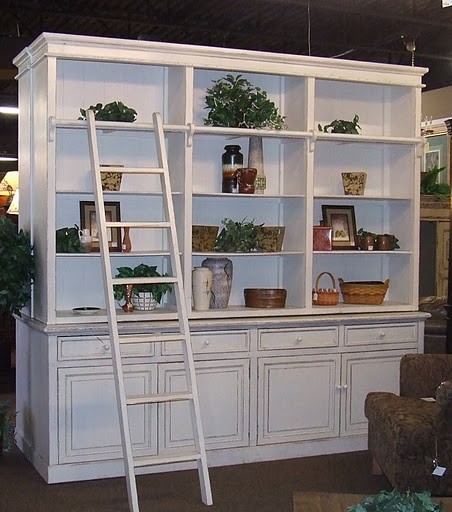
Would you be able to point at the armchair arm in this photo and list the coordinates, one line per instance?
(444, 401)
(421, 374)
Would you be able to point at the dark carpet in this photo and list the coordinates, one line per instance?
(263, 487)
(257, 487)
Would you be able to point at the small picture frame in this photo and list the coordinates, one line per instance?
(88, 221)
(342, 221)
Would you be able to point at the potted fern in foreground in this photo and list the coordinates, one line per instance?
(394, 501)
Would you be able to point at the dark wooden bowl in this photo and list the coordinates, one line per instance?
(265, 297)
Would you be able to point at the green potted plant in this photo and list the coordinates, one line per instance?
(6, 426)
(156, 291)
(233, 101)
(342, 126)
(430, 185)
(391, 501)
(237, 236)
(114, 111)
(16, 268)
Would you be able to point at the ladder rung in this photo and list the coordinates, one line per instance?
(134, 224)
(127, 339)
(133, 170)
(159, 398)
(165, 459)
(144, 280)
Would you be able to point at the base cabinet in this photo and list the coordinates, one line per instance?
(88, 416)
(267, 390)
(223, 388)
(297, 398)
(361, 374)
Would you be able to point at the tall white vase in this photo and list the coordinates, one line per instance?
(201, 287)
(256, 160)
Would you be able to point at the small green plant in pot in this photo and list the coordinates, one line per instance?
(17, 268)
(430, 185)
(114, 111)
(238, 236)
(157, 290)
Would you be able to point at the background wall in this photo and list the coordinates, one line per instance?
(437, 104)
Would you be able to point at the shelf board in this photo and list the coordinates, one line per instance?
(359, 139)
(343, 197)
(248, 196)
(96, 254)
(251, 253)
(397, 252)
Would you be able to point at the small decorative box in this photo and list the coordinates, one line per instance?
(322, 238)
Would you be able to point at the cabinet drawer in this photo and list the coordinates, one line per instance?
(211, 342)
(96, 347)
(299, 338)
(383, 333)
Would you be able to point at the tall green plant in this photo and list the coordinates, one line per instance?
(430, 185)
(17, 268)
(233, 101)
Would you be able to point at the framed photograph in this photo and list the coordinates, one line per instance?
(342, 221)
(88, 221)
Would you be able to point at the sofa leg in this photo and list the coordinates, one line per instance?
(376, 470)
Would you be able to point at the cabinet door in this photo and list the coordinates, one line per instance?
(223, 388)
(442, 258)
(361, 374)
(88, 416)
(297, 398)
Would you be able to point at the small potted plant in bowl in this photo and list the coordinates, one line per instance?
(143, 296)
(114, 111)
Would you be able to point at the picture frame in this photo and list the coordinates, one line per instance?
(436, 153)
(88, 221)
(342, 221)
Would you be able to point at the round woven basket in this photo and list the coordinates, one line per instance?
(363, 292)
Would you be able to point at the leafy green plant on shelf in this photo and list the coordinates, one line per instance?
(238, 236)
(234, 101)
(341, 126)
(17, 267)
(68, 240)
(391, 501)
(114, 111)
(158, 290)
(394, 241)
(430, 185)
(6, 425)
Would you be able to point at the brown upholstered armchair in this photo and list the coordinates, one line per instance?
(407, 433)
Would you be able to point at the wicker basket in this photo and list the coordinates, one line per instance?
(363, 292)
(325, 296)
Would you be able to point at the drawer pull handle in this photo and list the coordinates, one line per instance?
(105, 344)
(299, 339)
(207, 343)
(382, 334)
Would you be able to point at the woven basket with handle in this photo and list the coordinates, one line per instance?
(325, 296)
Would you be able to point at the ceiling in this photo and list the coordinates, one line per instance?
(370, 30)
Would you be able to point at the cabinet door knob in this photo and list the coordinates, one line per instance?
(382, 334)
(105, 344)
(299, 339)
(206, 343)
